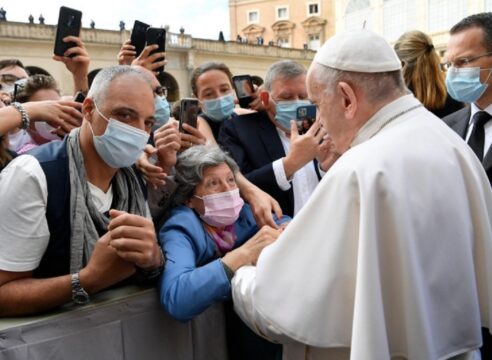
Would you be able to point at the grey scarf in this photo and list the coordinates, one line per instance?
(86, 222)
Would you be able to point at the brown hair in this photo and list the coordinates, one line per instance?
(421, 69)
(4, 154)
(35, 83)
(203, 68)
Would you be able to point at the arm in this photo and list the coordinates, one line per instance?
(185, 289)
(77, 60)
(127, 53)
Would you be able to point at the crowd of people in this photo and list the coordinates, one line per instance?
(364, 235)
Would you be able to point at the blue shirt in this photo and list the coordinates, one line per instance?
(194, 277)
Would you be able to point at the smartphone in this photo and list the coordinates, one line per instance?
(79, 97)
(188, 113)
(138, 37)
(243, 85)
(306, 116)
(69, 23)
(156, 36)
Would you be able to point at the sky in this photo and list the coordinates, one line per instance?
(200, 18)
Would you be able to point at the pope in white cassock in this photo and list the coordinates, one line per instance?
(392, 256)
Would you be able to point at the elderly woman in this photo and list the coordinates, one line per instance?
(206, 239)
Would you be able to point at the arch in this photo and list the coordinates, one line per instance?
(36, 70)
(167, 80)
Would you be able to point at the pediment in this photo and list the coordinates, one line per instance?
(283, 25)
(253, 28)
(313, 21)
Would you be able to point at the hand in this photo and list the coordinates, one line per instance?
(63, 115)
(76, 60)
(257, 104)
(105, 267)
(249, 252)
(192, 137)
(133, 237)
(127, 53)
(168, 142)
(303, 148)
(327, 154)
(153, 175)
(150, 62)
(262, 206)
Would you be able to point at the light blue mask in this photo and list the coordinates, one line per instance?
(219, 109)
(162, 112)
(121, 145)
(285, 111)
(464, 84)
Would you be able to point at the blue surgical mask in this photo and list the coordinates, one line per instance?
(162, 112)
(285, 111)
(464, 84)
(121, 144)
(219, 109)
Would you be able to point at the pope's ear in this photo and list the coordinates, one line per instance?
(265, 97)
(348, 98)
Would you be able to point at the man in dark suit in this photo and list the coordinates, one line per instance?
(267, 146)
(468, 79)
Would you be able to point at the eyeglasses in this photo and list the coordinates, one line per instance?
(161, 91)
(8, 78)
(461, 62)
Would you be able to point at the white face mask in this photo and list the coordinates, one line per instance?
(121, 145)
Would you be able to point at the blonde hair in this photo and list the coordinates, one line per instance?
(421, 69)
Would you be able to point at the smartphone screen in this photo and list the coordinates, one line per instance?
(157, 36)
(69, 23)
(188, 113)
(243, 85)
(306, 116)
(138, 37)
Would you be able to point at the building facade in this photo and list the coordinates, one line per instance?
(33, 45)
(392, 18)
(287, 23)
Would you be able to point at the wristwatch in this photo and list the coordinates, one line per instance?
(79, 295)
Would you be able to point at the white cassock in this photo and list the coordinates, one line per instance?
(390, 258)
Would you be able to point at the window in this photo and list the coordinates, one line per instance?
(314, 41)
(283, 42)
(313, 8)
(253, 17)
(399, 16)
(443, 14)
(282, 13)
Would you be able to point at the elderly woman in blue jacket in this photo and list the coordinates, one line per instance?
(207, 238)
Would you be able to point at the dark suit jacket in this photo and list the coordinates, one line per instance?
(252, 140)
(458, 121)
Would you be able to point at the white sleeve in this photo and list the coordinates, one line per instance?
(24, 233)
(280, 176)
(243, 285)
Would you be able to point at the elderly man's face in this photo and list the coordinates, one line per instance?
(468, 44)
(287, 90)
(129, 101)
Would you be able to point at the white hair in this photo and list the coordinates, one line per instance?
(106, 76)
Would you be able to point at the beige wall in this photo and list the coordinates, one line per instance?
(33, 45)
(267, 10)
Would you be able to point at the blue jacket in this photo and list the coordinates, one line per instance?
(194, 277)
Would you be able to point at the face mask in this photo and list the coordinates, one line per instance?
(464, 84)
(219, 109)
(222, 209)
(45, 130)
(121, 144)
(285, 111)
(162, 112)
